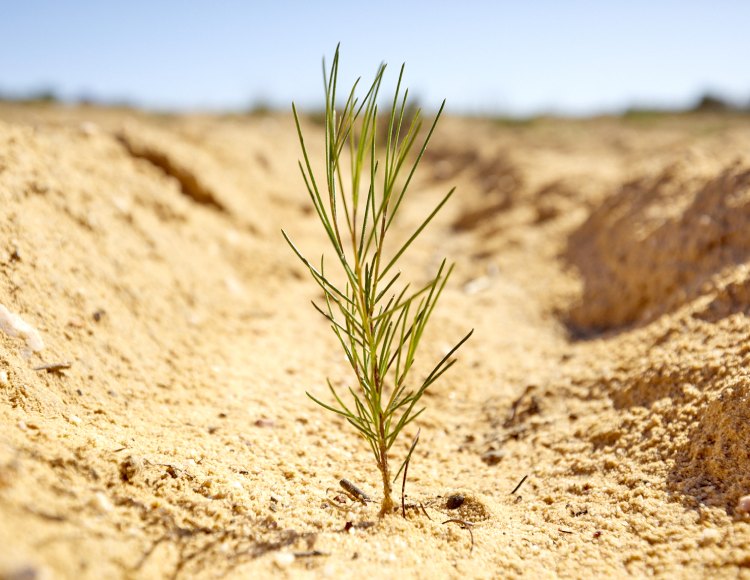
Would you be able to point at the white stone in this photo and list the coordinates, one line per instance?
(16, 327)
(477, 285)
(284, 559)
(234, 286)
(709, 536)
(101, 502)
(88, 128)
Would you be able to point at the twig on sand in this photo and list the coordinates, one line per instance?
(54, 367)
(520, 483)
(356, 493)
(310, 554)
(424, 511)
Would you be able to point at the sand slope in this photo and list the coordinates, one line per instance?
(604, 264)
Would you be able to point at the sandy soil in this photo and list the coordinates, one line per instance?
(605, 265)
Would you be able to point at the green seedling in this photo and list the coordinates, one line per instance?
(378, 321)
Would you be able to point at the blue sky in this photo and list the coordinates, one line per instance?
(569, 56)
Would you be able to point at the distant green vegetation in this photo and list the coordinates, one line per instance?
(35, 97)
(706, 103)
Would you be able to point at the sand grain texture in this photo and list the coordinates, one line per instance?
(604, 264)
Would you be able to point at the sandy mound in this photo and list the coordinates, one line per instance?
(156, 340)
(654, 243)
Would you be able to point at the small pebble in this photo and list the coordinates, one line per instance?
(4, 378)
(284, 559)
(24, 572)
(477, 285)
(709, 536)
(493, 457)
(743, 505)
(16, 327)
(15, 254)
(88, 128)
(133, 531)
(130, 468)
(74, 419)
(101, 503)
(455, 501)
(224, 548)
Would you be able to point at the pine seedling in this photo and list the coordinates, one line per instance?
(378, 321)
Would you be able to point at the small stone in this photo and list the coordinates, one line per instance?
(4, 378)
(74, 419)
(284, 559)
(76, 322)
(24, 572)
(709, 536)
(493, 456)
(455, 501)
(264, 423)
(23, 426)
(477, 285)
(130, 468)
(101, 503)
(88, 128)
(15, 253)
(743, 505)
(16, 327)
